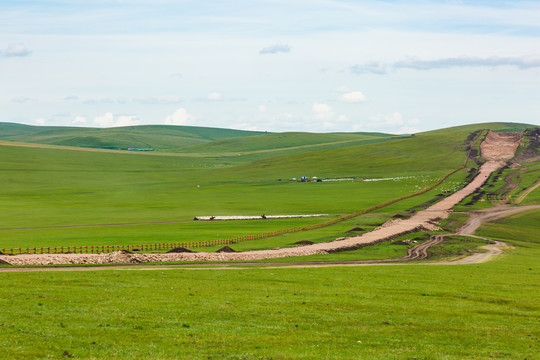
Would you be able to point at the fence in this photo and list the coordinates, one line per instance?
(92, 249)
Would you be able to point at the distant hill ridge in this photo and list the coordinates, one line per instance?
(159, 137)
(240, 146)
(185, 139)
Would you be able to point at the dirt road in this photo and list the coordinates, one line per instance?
(527, 192)
(415, 253)
(480, 217)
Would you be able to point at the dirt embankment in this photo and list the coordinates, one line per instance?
(500, 146)
(497, 148)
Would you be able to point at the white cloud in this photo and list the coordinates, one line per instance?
(373, 67)
(343, 118)
(160, 100)
(353, 97)
(108, 120)
(342, 89)
(127, 120)
(468, 61)
(408, 130)
(71, 97)
(386, 121)
(40, 121)
(262, 108)
(328, 125)
(321, 108)
(276, 48)
(176, 75)
(215, 96)
(16, 50)
(179, 117)
(23, 99)
(79, 120)
(323, 111)
(99, 101)
(393, 123)
(415, 63)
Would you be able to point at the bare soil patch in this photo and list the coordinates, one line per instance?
(304, 242)
(356, 229)
(179, 250)
(500, 146)
(226, 249)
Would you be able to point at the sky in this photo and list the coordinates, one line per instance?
(270, 65)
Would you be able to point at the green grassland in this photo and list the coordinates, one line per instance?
(527, 179)
(481, 311)
(269, 145)
(274, 142)
(58, 187)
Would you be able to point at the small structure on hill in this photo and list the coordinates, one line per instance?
(131, 148)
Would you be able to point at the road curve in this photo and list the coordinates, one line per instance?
(417, 252)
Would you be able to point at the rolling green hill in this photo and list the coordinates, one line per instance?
(429, 152)
(280, 141)
(188, 139)
(158, 137)
(269, 145)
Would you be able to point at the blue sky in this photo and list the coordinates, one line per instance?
(320, 66)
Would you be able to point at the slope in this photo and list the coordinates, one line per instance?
(56, 187)
(158, 137)
(425, 153)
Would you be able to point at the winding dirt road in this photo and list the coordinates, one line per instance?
(499, 146)
(417, 252)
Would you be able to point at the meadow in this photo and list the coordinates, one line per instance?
(47, 187)
(413, 311)
(480, 311)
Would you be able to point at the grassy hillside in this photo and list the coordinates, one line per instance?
(248, 149)
(158, 137)
(55, 187)
(499, 126)
(279, 141)
(425, 153)
(189, 140)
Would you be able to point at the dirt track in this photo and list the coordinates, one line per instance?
(527, 192)
(482, 216)
(415, 253)
(499, 147)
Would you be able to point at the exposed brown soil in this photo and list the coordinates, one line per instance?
(226, 249)
(179, 250)
(356, 229)
(400, 242)
(499, 146)
(304, 242)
